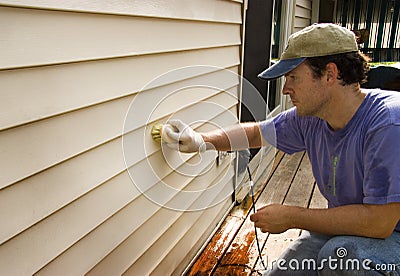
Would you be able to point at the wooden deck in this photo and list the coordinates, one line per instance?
(233, 249)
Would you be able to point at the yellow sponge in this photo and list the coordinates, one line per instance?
(156, 132)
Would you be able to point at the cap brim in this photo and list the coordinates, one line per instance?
(280, 68)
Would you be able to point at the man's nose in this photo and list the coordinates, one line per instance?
(285, 89)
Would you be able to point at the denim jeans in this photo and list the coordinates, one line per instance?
(317, 254)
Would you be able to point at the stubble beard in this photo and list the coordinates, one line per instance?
(313, 111)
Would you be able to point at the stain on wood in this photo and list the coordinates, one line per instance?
(215, 249)
(233, 249)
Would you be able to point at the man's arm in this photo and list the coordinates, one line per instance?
(180, 136)
(368, 220)
(237, 137)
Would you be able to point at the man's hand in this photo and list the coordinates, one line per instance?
(275, 218)
(179, 136)
(366, 220)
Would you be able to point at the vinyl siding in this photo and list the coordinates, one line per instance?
(53, 36)
(302, 14)
(80, 88)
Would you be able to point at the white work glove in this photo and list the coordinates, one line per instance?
(179, 136)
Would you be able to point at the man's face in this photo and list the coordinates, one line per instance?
(307, 93)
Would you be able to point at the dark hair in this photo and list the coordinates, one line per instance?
(353, 67)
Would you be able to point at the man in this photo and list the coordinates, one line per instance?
(352, 137)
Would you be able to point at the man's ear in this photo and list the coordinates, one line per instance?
(331, 72)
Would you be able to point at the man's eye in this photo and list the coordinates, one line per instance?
(290, 77)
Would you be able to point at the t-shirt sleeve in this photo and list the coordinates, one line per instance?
(382, 166)
(284, 132)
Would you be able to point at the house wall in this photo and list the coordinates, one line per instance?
(296, 15)
(83, 187)
(302, 14)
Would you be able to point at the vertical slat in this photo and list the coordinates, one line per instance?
(363, 19)
(380, 18)
(374, 32)
(357, 12)
(370, 10)
(350, 15)
(338, 13)
(395, 23)
(381, 21)
(397, 45)
(345, 10)
(361, 15)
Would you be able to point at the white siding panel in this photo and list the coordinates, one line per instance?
(47, 239)
(54, 234)
(162, 247)
(195, 234)
(69, 180)
(59, 37)
(167, 99)
(300, 23)
(56, 139)
(134, 244)
(32, 249)
(83, 186)
(42, 144)
(57, 187)
(303, 12)
(304, 3)
(140, 226)
(207, 10)
(128, 217)
(52, 90)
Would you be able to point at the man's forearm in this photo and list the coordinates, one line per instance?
(237, 137)
(376, 221)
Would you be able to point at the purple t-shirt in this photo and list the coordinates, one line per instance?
(357, 164)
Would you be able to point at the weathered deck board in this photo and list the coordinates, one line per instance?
(299, 194)
(318, 200)
(209, 259)
(233, 250)
(246, 254)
